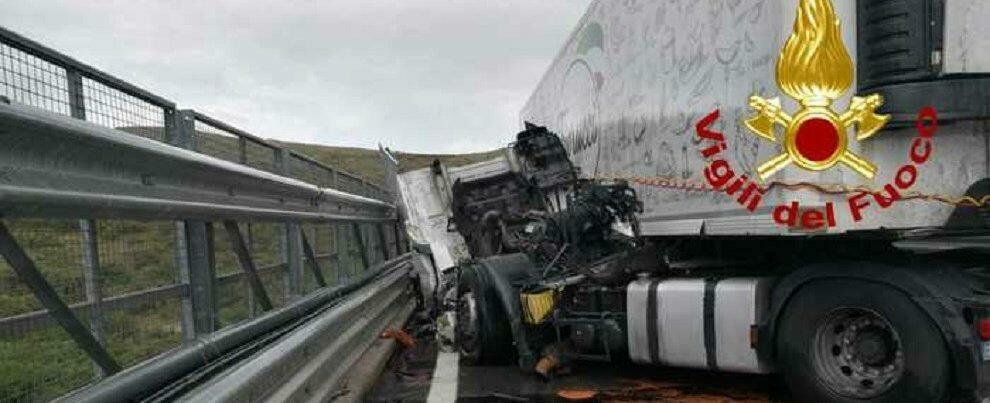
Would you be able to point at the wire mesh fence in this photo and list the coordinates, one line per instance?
(236, 299)
(111, 107)
(138, 276)
(41, 365)
(306, 171)
(39, 361)
(351, 184)
(122, 278)
(55, 247)
(320, 237)
(231, 289)
(259, 156)
(140, 292)
(144, 330)
(36, 76)
(30, 80)
(135, 256)
(216, 142)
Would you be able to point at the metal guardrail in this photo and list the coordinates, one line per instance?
(137, 227)
(311, 362)
(147, 179)
(329, 327)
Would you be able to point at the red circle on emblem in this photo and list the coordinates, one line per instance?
(816, 139)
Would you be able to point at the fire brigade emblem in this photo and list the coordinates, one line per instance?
(815, 69)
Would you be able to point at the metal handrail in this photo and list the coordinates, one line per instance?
(55, 57)
(97, 172)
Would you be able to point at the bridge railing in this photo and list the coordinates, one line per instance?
(131, 227)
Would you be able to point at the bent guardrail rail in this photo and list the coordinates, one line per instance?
(327, 327)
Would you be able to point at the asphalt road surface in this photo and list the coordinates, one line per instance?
(408, 377)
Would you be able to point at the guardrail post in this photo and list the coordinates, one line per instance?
(252, 299)
(91, 283)
(77, 105)
(197, 272)
(399, 243)
(380, 229)
(336, 259)
(359, 239)
(183, 129)
(289, 243)
(295, 260)
(87, 232)
(194, 251)
(242, 150)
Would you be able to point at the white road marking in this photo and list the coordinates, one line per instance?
(443, 388)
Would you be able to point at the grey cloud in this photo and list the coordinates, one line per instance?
(417, 75)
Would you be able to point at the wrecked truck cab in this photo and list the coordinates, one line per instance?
(522, 234)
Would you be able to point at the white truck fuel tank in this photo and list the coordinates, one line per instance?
(697, 323)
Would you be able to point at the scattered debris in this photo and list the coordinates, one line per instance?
(400, 337)
(578, 394)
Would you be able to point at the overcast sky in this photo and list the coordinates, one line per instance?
(416, 75)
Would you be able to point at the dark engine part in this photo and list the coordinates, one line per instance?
(581, 238)
(511, 212)
(592, 320)
(544, 159)
(481, 207)
(486, 209)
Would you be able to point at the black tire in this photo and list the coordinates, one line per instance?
(922, 371)
(492, 343)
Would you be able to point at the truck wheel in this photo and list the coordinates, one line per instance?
(483, 332)
(850, 341)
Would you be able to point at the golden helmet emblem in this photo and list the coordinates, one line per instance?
(815, 69)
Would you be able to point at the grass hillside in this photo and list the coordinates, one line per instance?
(361, 161)
(367, 163)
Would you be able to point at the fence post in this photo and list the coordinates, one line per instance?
(295, 262)
(194, 252)
(87, 231)
(382, 241)
(289, 242)
(359, 238)
(252, 300)
(91, 283)
(336, 259)
(399, 244)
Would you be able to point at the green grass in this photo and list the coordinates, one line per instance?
(42, 365)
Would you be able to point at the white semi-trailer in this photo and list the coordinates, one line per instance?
(764, 186)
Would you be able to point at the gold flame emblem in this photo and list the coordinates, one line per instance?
(815, 69)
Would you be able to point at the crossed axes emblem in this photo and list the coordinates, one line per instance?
(815, 127)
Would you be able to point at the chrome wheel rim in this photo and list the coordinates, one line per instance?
(857, 353)
(467, 324)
